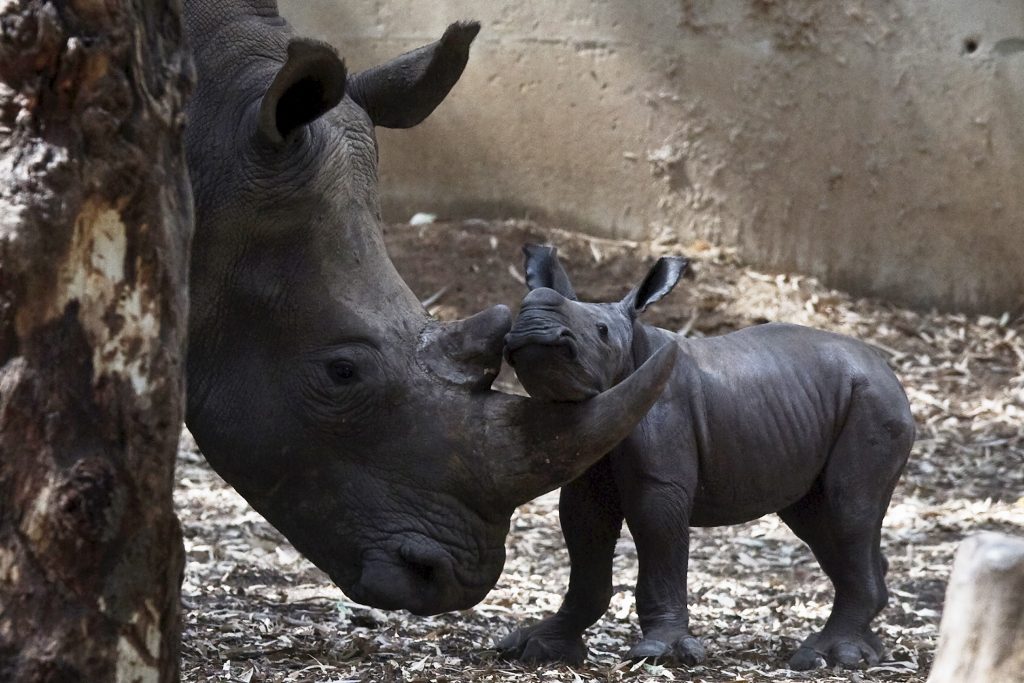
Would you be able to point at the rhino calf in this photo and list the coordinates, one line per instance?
(774, 418)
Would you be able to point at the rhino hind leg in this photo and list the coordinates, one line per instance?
(841, 520)
(591, 518)
(855, 566)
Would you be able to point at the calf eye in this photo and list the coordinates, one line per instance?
(341, 371)
(602, 329)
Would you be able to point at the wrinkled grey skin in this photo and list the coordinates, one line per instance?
(774, 418)
(319, 388)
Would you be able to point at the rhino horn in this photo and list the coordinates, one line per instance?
(530, 447)
(468, 352)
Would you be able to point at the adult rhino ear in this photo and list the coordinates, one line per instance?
(543, 269)
(311, 82)
(660, 280)
(403, 92)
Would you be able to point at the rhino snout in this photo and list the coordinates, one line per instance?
(418, 575)
(560, 339)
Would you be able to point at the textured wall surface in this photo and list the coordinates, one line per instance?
(877, 144)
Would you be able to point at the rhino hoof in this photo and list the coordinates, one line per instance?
(851, 653)
(541, 644)
(807, 658)
(686, 650)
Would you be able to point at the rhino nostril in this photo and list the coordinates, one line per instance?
(421, 563)
(420, 570)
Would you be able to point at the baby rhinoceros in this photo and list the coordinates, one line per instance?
(773, 418)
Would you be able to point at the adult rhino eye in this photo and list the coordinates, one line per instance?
(602, 329)
(341, 371)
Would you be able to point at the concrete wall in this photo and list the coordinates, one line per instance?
(877, 144)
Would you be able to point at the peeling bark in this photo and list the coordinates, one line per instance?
(982, 635)
(95, 222)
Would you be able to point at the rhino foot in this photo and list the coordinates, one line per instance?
(852, 652)
(685, 650)
(544, 642)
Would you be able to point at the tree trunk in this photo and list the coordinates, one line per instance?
(95, 222)
(982, 634)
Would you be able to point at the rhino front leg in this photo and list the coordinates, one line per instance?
(591, 519)
(657, 484)
(659, 521)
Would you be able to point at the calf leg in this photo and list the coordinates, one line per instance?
(656, 472)
(853, 561)
(841, 519)
(591, 519)
(658, 517)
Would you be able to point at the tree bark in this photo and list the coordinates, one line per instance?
(982, 635)
(95, 223)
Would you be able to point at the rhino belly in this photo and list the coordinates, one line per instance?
(745, 486)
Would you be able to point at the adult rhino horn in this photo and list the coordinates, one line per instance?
(468, 352)
(533, 447)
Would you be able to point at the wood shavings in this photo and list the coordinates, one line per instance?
(255, 610)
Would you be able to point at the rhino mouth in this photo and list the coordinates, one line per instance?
(548, 368)
(564, 341)
(419, 576)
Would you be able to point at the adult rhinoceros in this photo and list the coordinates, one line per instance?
(318, 386)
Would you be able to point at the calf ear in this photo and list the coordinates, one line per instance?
(311, 82)
(403, 92)
(543, 269)
(659, 282)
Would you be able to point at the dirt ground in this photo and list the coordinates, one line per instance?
(255, 610)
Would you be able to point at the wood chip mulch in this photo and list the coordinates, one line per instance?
(255, 610)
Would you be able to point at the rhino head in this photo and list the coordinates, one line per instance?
(319, 388)
(564, 349)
